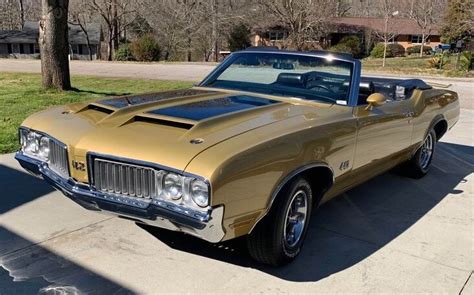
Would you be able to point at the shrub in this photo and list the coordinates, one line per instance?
(348, 44)
(466, 61)
(124, 53)
(416, 49)
(393, 49)
(377, 51)
(396, 49)
(438, 61)
(239, 38)
(146, 49)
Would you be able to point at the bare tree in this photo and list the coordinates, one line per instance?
(54, 45)
(116, 17)
(81, 17)
(187, 26)
(427, 14)
(304, 19)
(9, 15)
(388, 9)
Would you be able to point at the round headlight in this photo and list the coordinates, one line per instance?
(44, 148)
(32, 143)
(200, 193)
(173, 186)
(23, 135)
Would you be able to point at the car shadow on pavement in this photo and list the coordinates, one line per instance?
(36, 270)
(351, 227)
(18, 188)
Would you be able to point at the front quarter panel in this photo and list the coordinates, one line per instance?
(245, 171)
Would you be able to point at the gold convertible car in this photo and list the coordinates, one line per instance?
(252, 150)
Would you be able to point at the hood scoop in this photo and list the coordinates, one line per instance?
(98, 109)
(163, 122)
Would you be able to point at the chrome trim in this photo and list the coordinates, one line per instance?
(58, 158)
(61, 153)
(124, 179)
(198, 213)
(285, 180)
(209, 228)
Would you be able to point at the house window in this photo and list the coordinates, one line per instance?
(37, 50)
(9, 49)
(15, 48)
(418, 39)
(75, 49)
(277, 36)
(22, 48)
(32, 48)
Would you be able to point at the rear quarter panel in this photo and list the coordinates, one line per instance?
(430, 106)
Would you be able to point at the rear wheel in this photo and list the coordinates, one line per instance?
(278, 238)
(420, 163)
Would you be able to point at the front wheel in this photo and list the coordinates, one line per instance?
(278, 238)
(420, 163)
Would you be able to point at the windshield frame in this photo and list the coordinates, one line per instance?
(354, 79)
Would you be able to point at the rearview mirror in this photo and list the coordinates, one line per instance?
(375, 100)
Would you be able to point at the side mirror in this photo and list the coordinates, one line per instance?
(375, 100)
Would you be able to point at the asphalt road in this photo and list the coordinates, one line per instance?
(190, 72)
(389, 235)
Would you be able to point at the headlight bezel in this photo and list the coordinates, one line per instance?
(187, 197)
(32, 144)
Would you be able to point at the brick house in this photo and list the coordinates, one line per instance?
(408, 32)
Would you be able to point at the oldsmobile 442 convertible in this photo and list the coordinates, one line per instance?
(252, 150)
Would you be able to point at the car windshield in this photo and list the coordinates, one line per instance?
(295, 75)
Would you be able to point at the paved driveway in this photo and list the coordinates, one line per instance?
(391, 234)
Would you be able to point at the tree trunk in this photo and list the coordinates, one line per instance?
(22, 13)
(54, 45)
(422, 44)
(189, 53)
(384, 53)
(110, 45)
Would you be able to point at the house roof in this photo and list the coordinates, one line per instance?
(30, 34)
(402, 26)
(77, 36)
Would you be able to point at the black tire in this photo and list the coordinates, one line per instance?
(268, 243)
(418, 166)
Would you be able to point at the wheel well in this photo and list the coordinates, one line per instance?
(321, 180)
(440, 128)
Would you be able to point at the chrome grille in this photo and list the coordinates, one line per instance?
(124, 179)
(58, 161)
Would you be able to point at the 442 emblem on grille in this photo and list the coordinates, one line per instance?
(78, 165)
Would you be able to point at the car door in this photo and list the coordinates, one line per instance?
(384, 132)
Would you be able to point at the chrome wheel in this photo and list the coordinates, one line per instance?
(296, 215)
(426, 151)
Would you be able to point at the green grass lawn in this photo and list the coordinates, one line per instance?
(412, 65)
(21, 95)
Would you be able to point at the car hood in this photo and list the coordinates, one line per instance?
(167, 128)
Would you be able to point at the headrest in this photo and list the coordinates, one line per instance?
(366, 87)
(292, 79)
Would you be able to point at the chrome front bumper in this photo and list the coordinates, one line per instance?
(209, 229)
